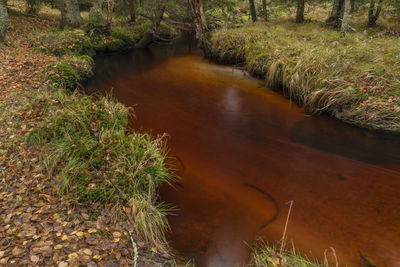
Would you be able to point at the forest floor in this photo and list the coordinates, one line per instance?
(355, 78)
(38, 225)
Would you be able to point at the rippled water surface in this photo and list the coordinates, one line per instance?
(243, 151)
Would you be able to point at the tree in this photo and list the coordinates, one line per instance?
(372, 14)
(132, 11)
(150, 33)
(345, 25)
(3, 20)
(32, 7)
(95, 14)
(264, 9)
(253, 11)
(336, 13)
(110, 7)
(70, 14)
(300, 11)
(201, 26)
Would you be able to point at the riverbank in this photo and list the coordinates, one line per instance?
(76, 188)
(354, 79)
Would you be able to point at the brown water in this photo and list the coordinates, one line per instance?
(243, 151)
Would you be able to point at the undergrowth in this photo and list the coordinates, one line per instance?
(355, 78)
(263, 255)
(87, 148)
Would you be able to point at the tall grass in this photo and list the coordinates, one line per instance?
(355, 79)
(87, 147)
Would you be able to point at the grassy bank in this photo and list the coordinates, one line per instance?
(355, 79)
(70, 161)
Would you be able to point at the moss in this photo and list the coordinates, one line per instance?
(62, 75)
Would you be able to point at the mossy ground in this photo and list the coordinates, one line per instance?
(355, 79)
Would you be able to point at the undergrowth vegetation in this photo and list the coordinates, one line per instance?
(263, 255)
(355, 78)
(87, 148)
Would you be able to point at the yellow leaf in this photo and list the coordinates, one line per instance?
(96, 257)
(59, 246)
(64, 237)
(116, 240)
(72, 255)
(92, 230)
(76, 221)
(64, 223)
(116, 234)
(79, 234)
(87, 252)
(56, 216)
(58, 234)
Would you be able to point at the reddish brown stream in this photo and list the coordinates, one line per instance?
(243, 151)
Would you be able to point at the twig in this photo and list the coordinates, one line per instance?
(286, 224)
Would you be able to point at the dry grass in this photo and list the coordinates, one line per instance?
(356, 78)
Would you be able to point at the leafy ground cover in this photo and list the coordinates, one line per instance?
(75, 187)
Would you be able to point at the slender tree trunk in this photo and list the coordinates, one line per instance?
(110, 7)
(353, 6)
(3, 20)
(96, 11)
(132, 11)
(372, 14)
(63, 21)
(201, 26)
(336, 13)
(70, 14)
(264, 10)
(253, 12)
(300, 11)
(345, 24)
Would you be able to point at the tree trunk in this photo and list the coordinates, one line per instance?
(70, 14)
(253, 12)
(3, 20)
(32, 7)
(201, 26)
(345, 25)
(336, 13)
(353, 6)
(372, 15)
(110, 7)
(150, 33)
(264, 10)
(300, 11)
(95, 14)
(132, 11)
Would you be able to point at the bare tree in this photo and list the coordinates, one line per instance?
(345, 24)
(264, 9)
(3, 20)
(300, 11)
(132, 11)
(372, 14)
(110, 7)
(253, 11)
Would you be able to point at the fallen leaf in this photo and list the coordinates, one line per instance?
(34, 258)
(72, 255)
(64, 237)
(87, 252)
(59, 246)
(79, 234)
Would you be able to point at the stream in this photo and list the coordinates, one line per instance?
(243, 152)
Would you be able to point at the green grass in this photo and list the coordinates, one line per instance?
(263, 255)
(355, 78)
(85, 145)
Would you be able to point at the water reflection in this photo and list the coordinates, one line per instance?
(243, 152)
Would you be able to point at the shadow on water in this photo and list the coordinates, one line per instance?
(347, 141)
(242, 152)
